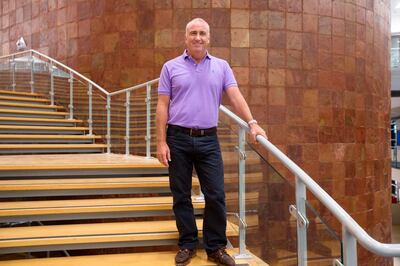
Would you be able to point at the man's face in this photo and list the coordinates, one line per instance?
(197, 38)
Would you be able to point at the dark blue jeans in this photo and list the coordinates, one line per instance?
(204, 154)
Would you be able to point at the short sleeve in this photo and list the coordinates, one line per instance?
(164, 85)
(229, 77)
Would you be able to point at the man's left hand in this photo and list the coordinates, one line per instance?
(256, 130)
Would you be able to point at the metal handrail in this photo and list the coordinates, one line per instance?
(127, 92)
(359, 233)
(60, 64)
(14, 54)
(73, 71)
(130, 89)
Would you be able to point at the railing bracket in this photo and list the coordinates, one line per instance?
(298, 216)
(337, 262)
(242, 154)
(241, 221)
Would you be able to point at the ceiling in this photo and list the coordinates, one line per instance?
(395, 16)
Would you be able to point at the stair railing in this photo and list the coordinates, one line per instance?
(352, 232)
(73, 75)
(128, 91)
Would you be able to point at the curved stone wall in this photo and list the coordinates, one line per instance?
(316, 73)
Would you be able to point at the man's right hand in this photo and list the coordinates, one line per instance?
(163, 154)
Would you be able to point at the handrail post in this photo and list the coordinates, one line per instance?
(148, 133)
(32, 79)
(51, 84)
(90, 116)
(301, 195)
(349, 248)
(71, 95)
(108, 136)
(242, 196)
(127, 123)
(13, 85)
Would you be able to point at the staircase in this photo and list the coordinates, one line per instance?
(62, 195)
(30, 125)
(53, 200)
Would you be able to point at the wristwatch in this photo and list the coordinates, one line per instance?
(253, 121)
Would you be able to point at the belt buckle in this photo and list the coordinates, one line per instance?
(202, 132)
(191, 131)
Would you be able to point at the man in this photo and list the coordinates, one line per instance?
(190, 91)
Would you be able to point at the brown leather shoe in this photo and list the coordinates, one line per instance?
(183, 256)
(221, 258)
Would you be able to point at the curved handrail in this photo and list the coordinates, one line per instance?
(60, 64)
(358, 232)
(135, 87)
(14, 54)
(73, 71)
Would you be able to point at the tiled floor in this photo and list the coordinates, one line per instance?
(396, 239)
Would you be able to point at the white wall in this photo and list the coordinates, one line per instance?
(395, 13)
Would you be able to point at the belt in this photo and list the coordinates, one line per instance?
(194, 132)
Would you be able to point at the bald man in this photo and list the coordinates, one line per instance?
(189, 95)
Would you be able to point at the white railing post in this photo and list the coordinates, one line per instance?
(349, 248)
(127, 123)
(108, 136)
(51, 84)
(71, 95)
(242, 194)
(32, 82)
(148, 121)
(90, 116)
(301, 195)
(13, 85)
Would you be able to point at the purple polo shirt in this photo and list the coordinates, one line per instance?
(195, 90)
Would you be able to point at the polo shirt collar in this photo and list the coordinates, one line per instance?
(186, 55)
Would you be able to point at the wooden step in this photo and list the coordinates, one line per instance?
(159, 258)
(99, 235)
(29, 138)
(74, 165)
(47, 210)
(50, 148)
(31, 113)
(38, 121)
(18, 93)
(24, 100)
(41, 129)
(86, 186)
(23, 106)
